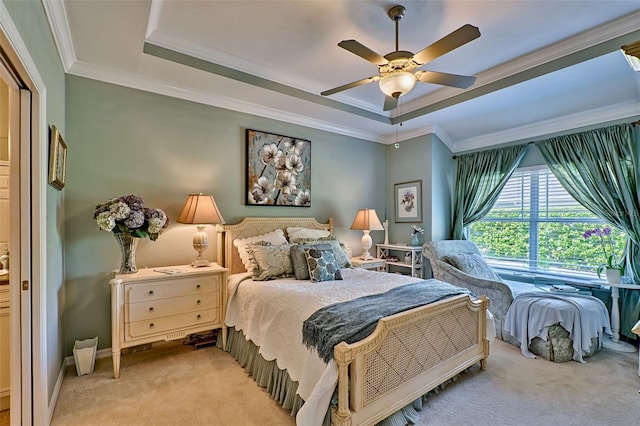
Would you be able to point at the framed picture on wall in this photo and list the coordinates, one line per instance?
(57, 159)
(408, 201)
(278, 170)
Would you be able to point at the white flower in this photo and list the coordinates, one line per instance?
(286, 182)
(294, 163)
(156, 223)
(303, 198)
(281, 164)
(270, 154)
(119, 210)
(293, 147)
(263, 188)
(106, 221)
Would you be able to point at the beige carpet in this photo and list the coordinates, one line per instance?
(174, 385)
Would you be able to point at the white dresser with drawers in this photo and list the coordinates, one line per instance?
(166, 303)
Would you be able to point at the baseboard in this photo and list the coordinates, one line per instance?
(68, 361)
(56, 392)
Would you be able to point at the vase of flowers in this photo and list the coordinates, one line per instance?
(613, 267)
(129, 220)
(415, 230)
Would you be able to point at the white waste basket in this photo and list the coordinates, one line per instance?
(84, 353)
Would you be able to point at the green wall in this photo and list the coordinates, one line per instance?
(128, 141)
(31, 22)
(427, 159)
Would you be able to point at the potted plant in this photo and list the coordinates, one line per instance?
(613, 267)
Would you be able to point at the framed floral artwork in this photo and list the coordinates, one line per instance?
(278, 170)
(408, 200)
(57, 160)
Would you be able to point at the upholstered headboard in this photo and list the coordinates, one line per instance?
(250, 226)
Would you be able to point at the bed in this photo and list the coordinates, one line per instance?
(408, 354)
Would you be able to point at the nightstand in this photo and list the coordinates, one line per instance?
(375, 264)
(166, 303)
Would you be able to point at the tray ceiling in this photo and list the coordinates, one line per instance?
(542, 67)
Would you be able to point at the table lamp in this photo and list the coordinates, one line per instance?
(200, 210)
(366, 220)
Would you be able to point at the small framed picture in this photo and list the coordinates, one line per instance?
(57, 160)
(408, 200)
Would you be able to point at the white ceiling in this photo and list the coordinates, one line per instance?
(542, 66)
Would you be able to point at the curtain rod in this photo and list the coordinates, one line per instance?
(528, 143)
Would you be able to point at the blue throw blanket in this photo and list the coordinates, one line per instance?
(355, 319)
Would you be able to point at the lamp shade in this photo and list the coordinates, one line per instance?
(200, 209)
(400, 83)
(367, 219)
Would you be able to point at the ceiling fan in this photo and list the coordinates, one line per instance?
(397, 70)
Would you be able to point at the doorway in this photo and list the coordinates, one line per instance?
(5, 237)
(27, 137)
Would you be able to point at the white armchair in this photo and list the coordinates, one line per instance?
(484, 281)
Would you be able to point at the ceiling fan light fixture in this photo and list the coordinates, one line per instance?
(397, 83)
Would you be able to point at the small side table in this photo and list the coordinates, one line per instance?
(375, 264)
(615, 343)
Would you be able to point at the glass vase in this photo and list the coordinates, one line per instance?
(128, 246)
(414, 240)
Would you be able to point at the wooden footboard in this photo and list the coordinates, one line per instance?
(407, 355)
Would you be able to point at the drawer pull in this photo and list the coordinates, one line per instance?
(199, 316)
(150, 292)
(151, 309)
(198, 302)
(152, 325)
(198, 286)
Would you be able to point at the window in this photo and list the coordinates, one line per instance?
(536, 225)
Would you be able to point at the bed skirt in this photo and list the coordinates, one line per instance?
(282, 389)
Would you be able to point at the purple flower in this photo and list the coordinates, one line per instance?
(605, 242)
(127, 215)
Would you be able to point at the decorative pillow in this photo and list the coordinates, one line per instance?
(294, 232)
(322, 265)
(472, 264)
(299, 259)
(338, 248)
(275, 237)
(271, 262)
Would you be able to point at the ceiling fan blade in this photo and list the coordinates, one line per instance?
(363, 51)
(351, 85)
(459, 37)
(390, 103)
(453, 80)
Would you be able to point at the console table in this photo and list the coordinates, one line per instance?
(413, 255)
(615, 343)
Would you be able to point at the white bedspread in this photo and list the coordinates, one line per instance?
(271, 313)
(531, 314)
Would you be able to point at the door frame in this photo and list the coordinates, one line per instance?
(30, 374)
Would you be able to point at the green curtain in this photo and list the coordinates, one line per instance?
(599, 168)
(480, 178)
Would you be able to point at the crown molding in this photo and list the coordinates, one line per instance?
(134, 81)
(544, 129)
(57, 17)
(415, 133)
